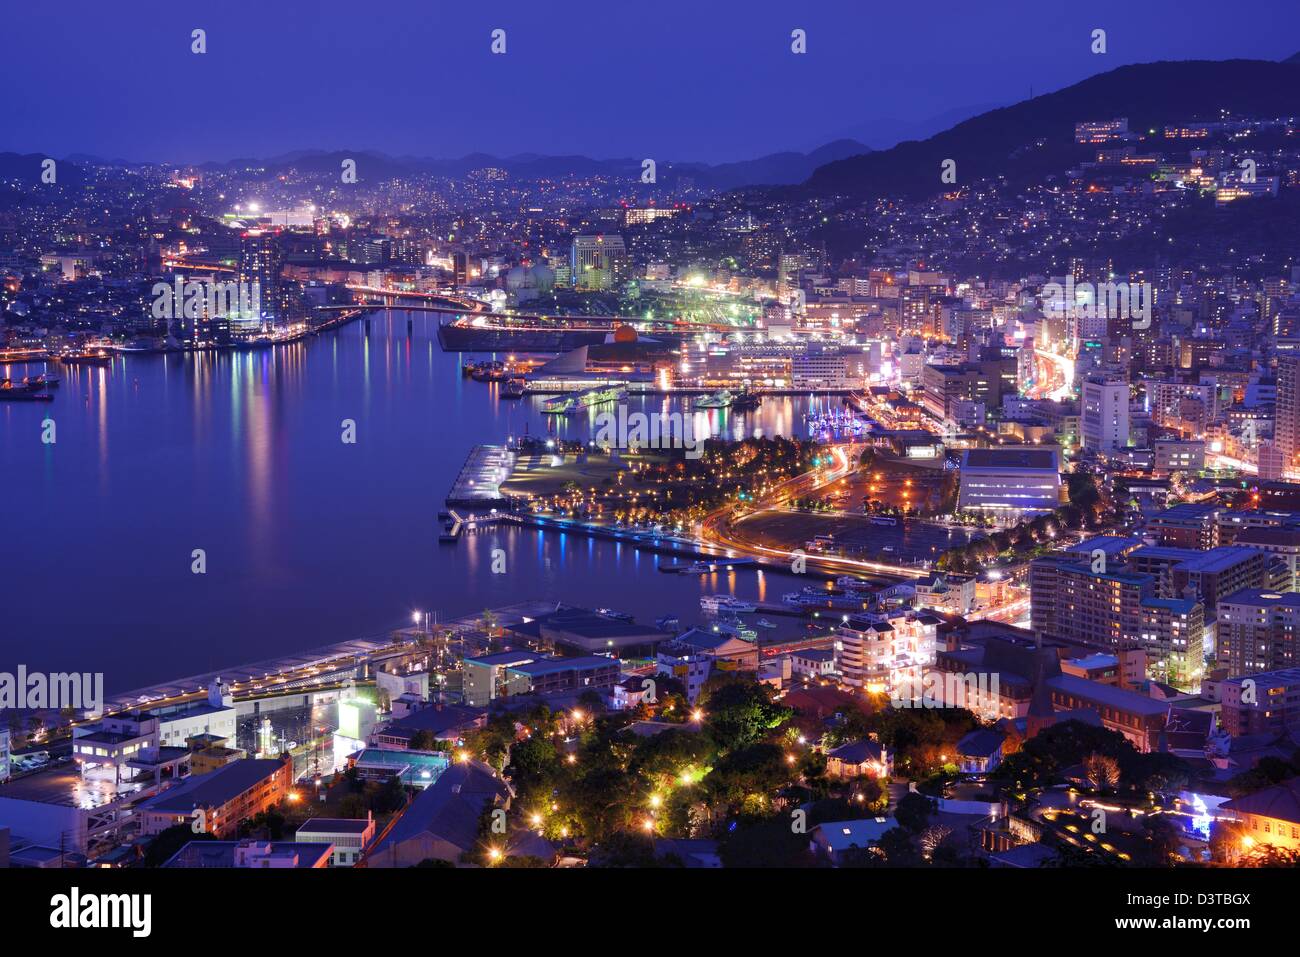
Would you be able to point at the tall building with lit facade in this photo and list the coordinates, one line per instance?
(1286, 426)
(1257, 631)
(259, 268)
(1104, 422)
(886, 654)
(1118, 610)
(599, 261)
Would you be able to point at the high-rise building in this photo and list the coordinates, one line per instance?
(1286, 426)
(1270, 704)
(599, 261)
(259, 268)
(460, 268)
(885, 654)
(1118, 610)
(1257, 631)
(1104, 422)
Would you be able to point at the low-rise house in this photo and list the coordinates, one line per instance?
(858, 758)
(442, 823)
(1270, 816)
(217, 803)
(980, 751)
(348, 836)
(831, 839)
(253, 854)
(444, 722)
(813, 662)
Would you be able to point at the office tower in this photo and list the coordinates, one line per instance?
(1286, 428)
(599, 261)
(460, 269)
(259, 269)
(1257, 631)
(1104, 424)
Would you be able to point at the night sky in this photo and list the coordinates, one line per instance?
(682, 79)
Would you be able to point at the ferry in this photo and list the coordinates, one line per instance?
(849, 583)
(20, 355)
(22, 392)
(93, 357)
(668, 623)
(560, 405)
(883, 520)
(730, 604)
(575, 402)
(718, 400)
(745, 400)
(42, 381)
(514, 389)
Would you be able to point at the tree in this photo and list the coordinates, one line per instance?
(932, 838)
(168, 842)
(1102, 771)
(898, 848)
(353, 806)
(768, 842)
(742, 712)
(389, 797)
(423, 740)
(1163, 839)
(913, 812)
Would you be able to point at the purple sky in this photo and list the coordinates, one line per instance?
(705, 79)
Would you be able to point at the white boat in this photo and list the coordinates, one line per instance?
(764, 623)
(719, 604)
(719, 400)
(883, 520)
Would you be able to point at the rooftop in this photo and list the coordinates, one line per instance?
(215, 788)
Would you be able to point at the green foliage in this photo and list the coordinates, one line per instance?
(742, 712)
(168, 842)
(913, 812)
(769, 842)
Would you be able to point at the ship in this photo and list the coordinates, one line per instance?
(94, 357)
(746, 400)
(22, 392)
(575, 402)
(883, 520)
(481, 333)
(718, 400)
(559, 405)
(43, 381)
(514, 389)
(719, 604)
(20, 355)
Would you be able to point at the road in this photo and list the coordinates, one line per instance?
(717, 527)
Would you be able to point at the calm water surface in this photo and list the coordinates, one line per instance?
(308, 540)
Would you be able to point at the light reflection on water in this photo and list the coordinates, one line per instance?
(307, 540)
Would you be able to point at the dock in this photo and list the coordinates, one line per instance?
(478, 486)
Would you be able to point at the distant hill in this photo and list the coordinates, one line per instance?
(1149, 94)
(776, 169)
(23, 166)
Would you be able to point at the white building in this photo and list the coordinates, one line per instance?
(1010, 479)
(881, 654)
(214, 716)
(819, 369)
(1104, 422)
